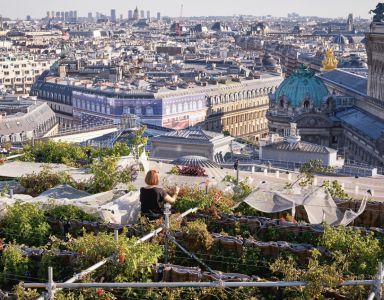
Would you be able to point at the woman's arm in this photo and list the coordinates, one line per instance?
(172, 199)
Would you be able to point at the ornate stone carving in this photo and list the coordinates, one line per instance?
(378, 13)
(311, 121)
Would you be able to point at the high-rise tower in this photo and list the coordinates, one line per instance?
(350, 23)
(136, 14)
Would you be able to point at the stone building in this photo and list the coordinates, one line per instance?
(22, 119)
(240, 109)
(18, 72)
(375, 51)
(175, 144)
(336, 108)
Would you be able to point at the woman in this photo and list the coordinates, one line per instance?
(153, 198)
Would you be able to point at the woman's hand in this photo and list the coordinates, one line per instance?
(177, 190)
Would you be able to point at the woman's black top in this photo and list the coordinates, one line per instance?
(152, 202)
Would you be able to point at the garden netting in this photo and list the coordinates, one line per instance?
(318, 203)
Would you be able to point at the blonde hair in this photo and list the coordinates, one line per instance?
(152, 178)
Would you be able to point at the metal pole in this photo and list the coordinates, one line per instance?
(116, 236)
(237, 174)
(188, 284)
(167, 213)
(51, 284)
(379, 282)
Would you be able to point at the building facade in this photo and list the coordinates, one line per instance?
(19, 72)
(375, 51)
(240, 109)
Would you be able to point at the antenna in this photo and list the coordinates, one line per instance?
(178, 24)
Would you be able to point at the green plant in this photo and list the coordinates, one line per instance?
(319, 277)
(336, 190)
(23, 293)
(14, 263)
(36, 183)
(242, 190)
(107, 174)
(69, 212)
(191, 197)
(229, 178)
(308, 171)
(132, 263)
(362, 250)
(197, 236)
(25, 223)
(175, 170)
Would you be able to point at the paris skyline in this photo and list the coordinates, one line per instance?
(325, 8)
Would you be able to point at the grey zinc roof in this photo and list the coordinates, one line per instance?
(301, 147)
(348, 80)
(195, 134)
(38, 114)
(362, 122)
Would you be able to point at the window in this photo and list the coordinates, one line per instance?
(149, 111)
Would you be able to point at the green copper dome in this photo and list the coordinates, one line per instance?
(300, 86)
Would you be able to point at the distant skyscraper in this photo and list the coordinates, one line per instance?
(52, 14)
(97, 16)
(158, 16)
(121, 17)
(113, 15)
(62, 16)
(1, 22)
(136, 14)
(57, 15)
(48, 14)
(148, 15)
(142, 14)
(130, 14)
(90, 17)
(75, 16)
(29, 18)
(66, 16)
(350, 23)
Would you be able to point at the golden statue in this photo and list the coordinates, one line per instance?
(330, 61)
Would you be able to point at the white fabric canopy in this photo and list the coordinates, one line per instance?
(317, 201)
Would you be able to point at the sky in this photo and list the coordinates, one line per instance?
(323, 8)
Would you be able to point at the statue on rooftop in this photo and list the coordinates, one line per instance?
(378, 13)
(330, 61)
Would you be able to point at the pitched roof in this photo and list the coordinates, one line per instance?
(347, 80)
(300, 147)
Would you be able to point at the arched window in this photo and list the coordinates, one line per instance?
(282, 103)
(306, 104)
